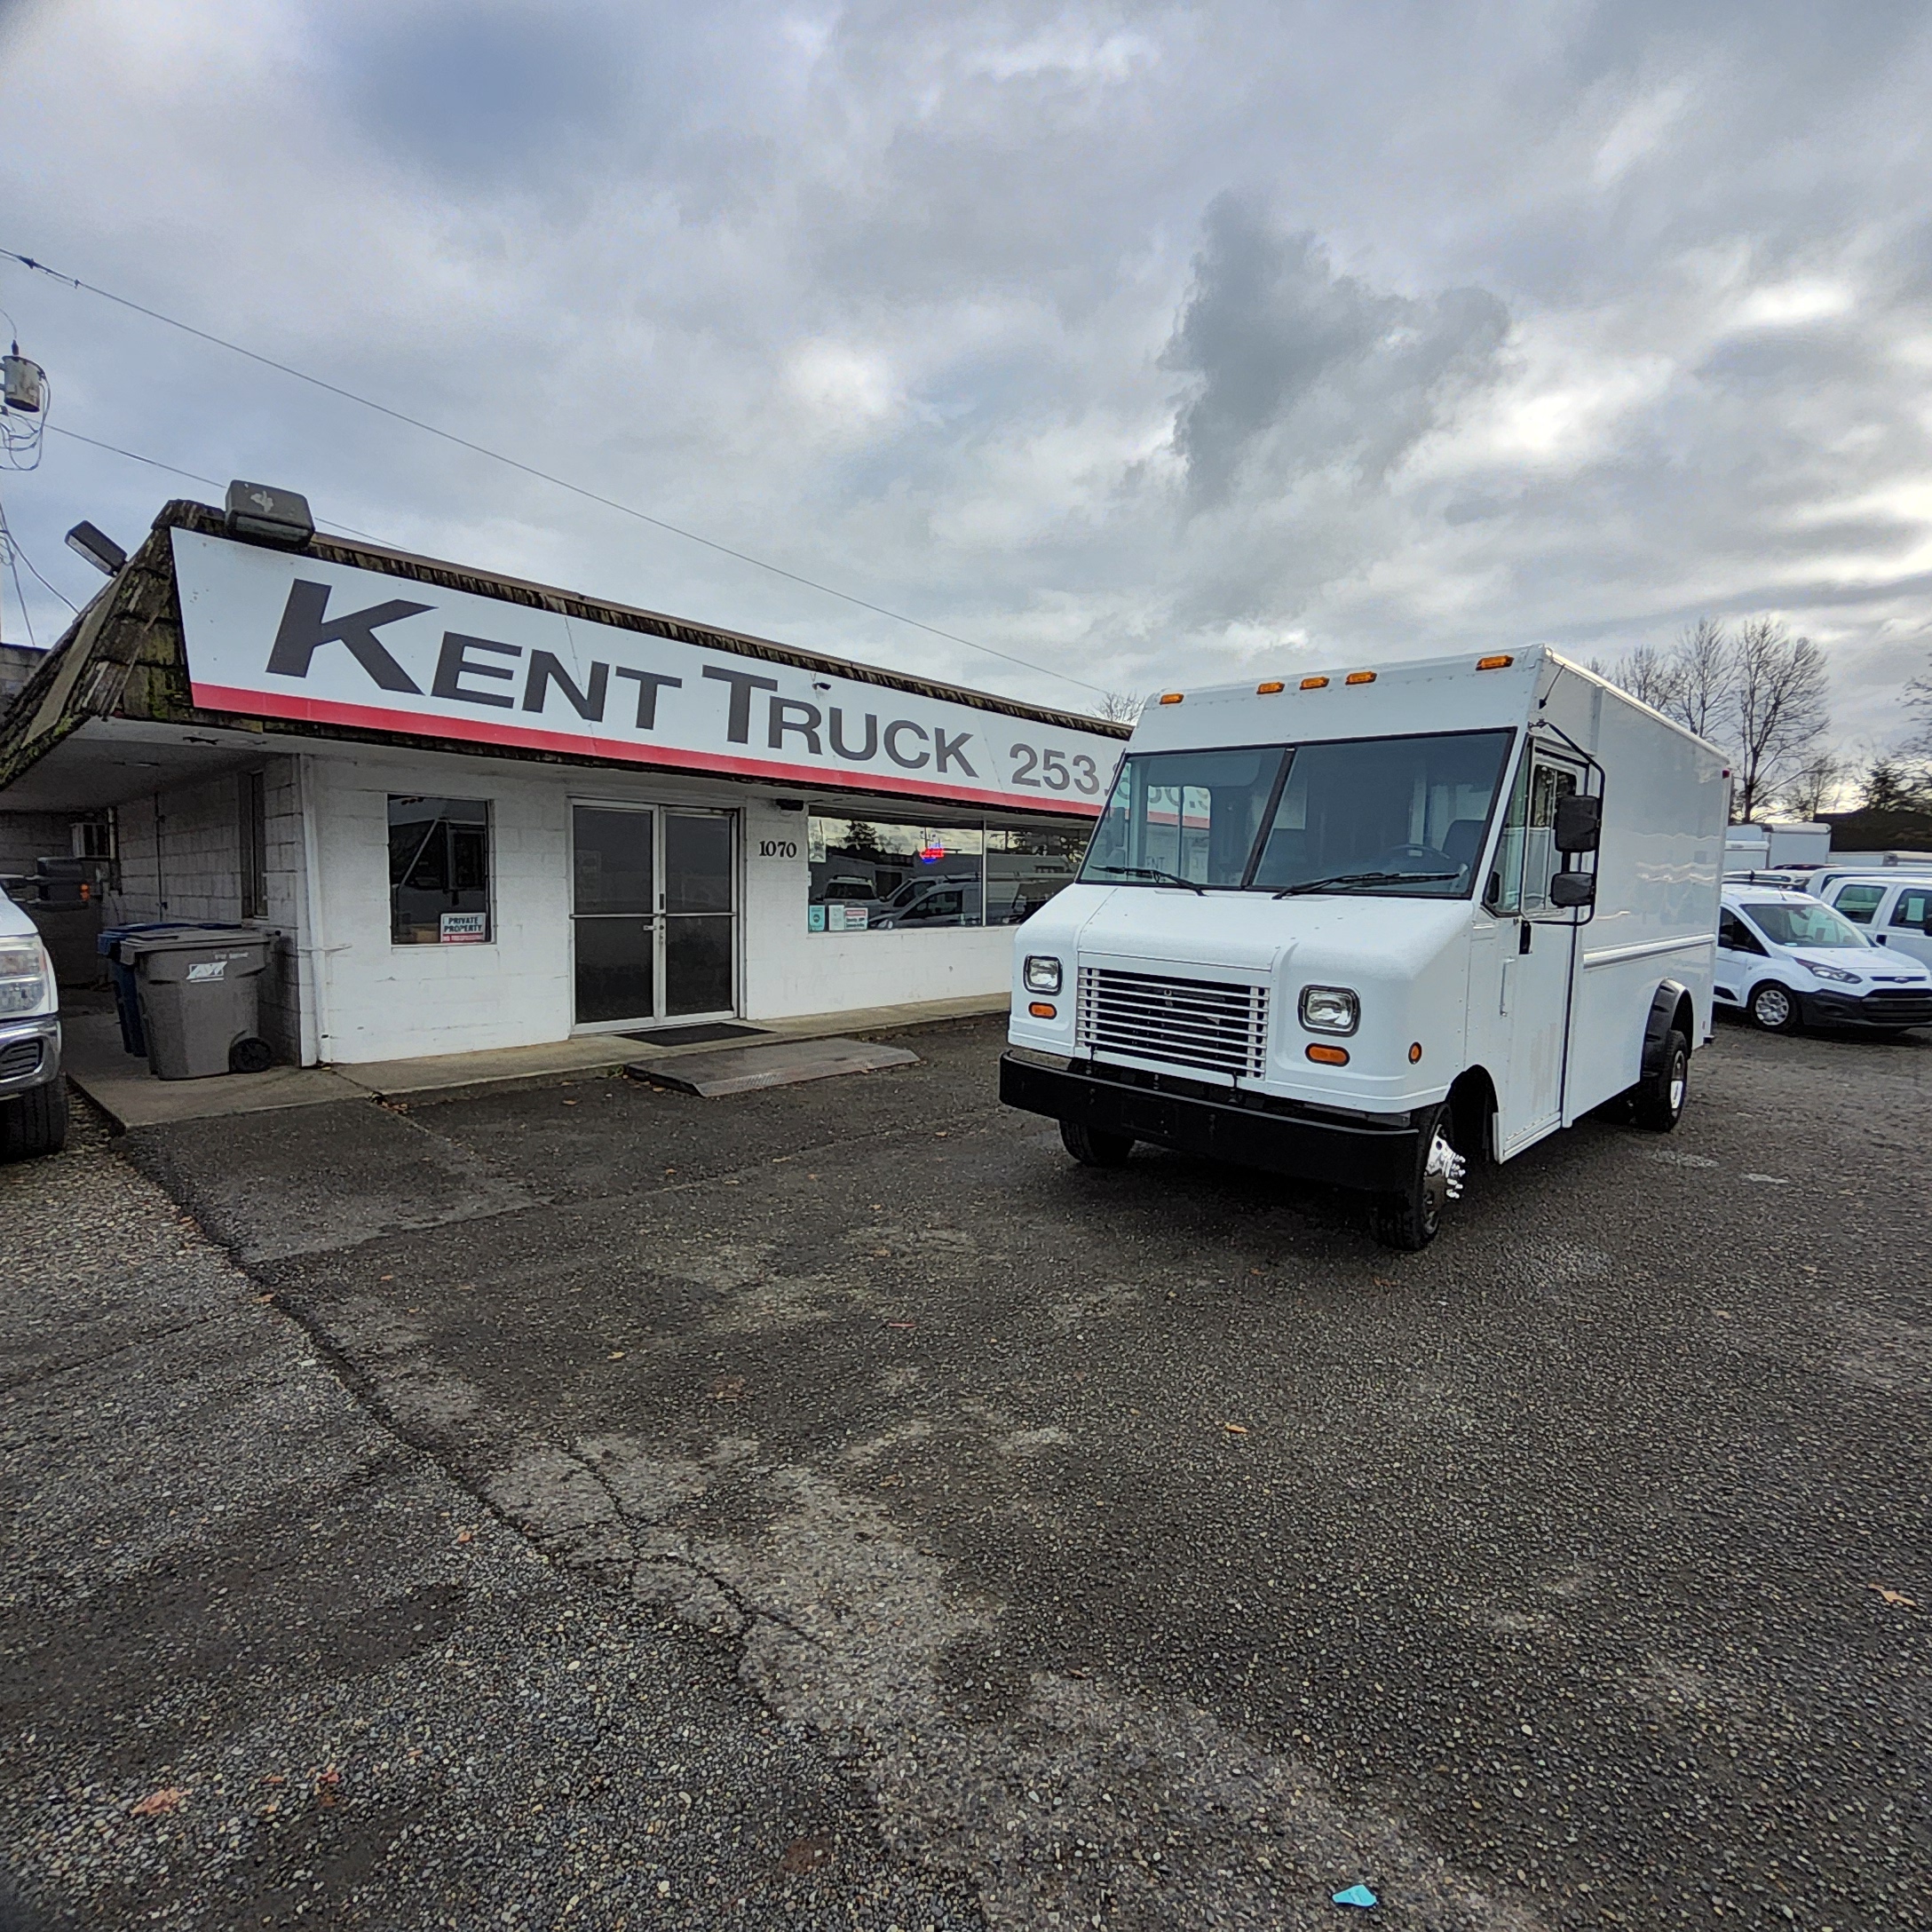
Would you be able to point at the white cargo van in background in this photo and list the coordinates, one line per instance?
(1367, 927)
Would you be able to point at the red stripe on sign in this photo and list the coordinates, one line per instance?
(623, 750)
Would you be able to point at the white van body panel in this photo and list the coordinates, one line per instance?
(1445, 984)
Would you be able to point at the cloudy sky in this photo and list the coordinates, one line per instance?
(1142, 343)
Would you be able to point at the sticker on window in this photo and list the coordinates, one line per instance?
(463, 929)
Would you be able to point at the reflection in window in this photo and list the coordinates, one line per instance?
(439, 871)
(889, 875)
(1192, 814)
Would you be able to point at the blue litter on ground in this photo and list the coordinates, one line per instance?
(1356, 1895)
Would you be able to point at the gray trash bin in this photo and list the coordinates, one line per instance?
(198, 993)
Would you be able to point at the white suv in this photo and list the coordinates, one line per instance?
(1784, 960)
(33, 1095)
(1894, 909)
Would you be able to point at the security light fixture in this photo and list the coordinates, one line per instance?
(272, 516)
(97, 547)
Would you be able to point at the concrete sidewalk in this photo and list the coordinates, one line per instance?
(123, 1088)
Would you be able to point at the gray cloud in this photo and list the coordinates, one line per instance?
(1308, 369)
(1529, 322)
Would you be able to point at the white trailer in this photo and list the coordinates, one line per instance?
(1370, 926)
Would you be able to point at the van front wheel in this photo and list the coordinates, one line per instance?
(1657, 1100)
(1412, 1219)
(1774, 1008)
(1094, 1146)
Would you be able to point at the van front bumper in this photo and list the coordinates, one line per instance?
(1377, 1156)
(1902, 1008)
(29, 1053)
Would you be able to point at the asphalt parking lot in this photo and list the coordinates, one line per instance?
(917, 1529)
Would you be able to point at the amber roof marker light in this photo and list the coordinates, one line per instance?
(1499, 664)
(1314, 683)
(1359, 677)
(1269, 688)
(1172, 697)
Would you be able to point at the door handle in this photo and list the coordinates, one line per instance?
(1523, 937)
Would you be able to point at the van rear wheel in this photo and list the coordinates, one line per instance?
(1094, 1146)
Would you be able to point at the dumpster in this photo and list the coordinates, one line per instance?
(127, 1000)
(198, 999)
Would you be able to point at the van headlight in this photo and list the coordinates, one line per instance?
(1330, 1009)
(1041, 973)
(23, 975)
(1832, 972)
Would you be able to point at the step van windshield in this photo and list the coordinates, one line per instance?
(1397, 816)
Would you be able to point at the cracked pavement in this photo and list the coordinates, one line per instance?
(1030, 1545)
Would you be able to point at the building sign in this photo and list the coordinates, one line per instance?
(271, 634)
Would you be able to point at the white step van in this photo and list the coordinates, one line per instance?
(1370, 926)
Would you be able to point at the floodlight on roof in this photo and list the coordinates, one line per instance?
(97, 547)
(271, 515)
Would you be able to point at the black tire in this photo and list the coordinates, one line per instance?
(1409, 1220)
(1657, 1101)
(1773, 1009)
(34, 1123)
(250, 1056)
(1094, 1146)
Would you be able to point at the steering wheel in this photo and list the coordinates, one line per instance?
(1415, 859)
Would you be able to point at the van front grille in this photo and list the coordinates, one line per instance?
(1198, 1023)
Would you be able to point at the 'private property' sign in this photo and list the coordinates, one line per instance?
(271, 634)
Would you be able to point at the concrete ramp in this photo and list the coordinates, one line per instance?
(743, 1070)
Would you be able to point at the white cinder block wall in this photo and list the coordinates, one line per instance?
(381, 1001)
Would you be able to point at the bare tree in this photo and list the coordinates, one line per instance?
(1815, 786)
(1780, 713)
(1705, 679)
(1123, 707)
(1690, 681)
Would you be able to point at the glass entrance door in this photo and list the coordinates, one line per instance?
(654, 914)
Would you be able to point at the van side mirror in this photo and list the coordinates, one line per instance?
(1580, 823)
(1572, 889)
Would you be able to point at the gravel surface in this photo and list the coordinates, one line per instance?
(1148, 1549)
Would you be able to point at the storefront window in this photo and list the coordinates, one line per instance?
(439, 871)
(878, 875)
(1024, 868)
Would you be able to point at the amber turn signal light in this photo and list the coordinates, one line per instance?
(1329, 1056)
(1494, 663)
(1043, 1010)
(1359, 677)
(1269, 689)
(1314, 683)
(1415, 1051)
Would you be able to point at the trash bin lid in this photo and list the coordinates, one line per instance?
(237, 943)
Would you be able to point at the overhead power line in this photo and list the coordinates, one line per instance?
(175, 469)
(541, 475)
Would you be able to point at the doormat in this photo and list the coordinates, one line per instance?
(695, 1036)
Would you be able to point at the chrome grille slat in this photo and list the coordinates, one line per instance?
(1206, 1023)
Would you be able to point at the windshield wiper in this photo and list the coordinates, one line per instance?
(1364, 878)
(1154, 872)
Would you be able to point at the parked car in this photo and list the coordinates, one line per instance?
(1894, 908)
(33, 1095)
(1786, 960)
